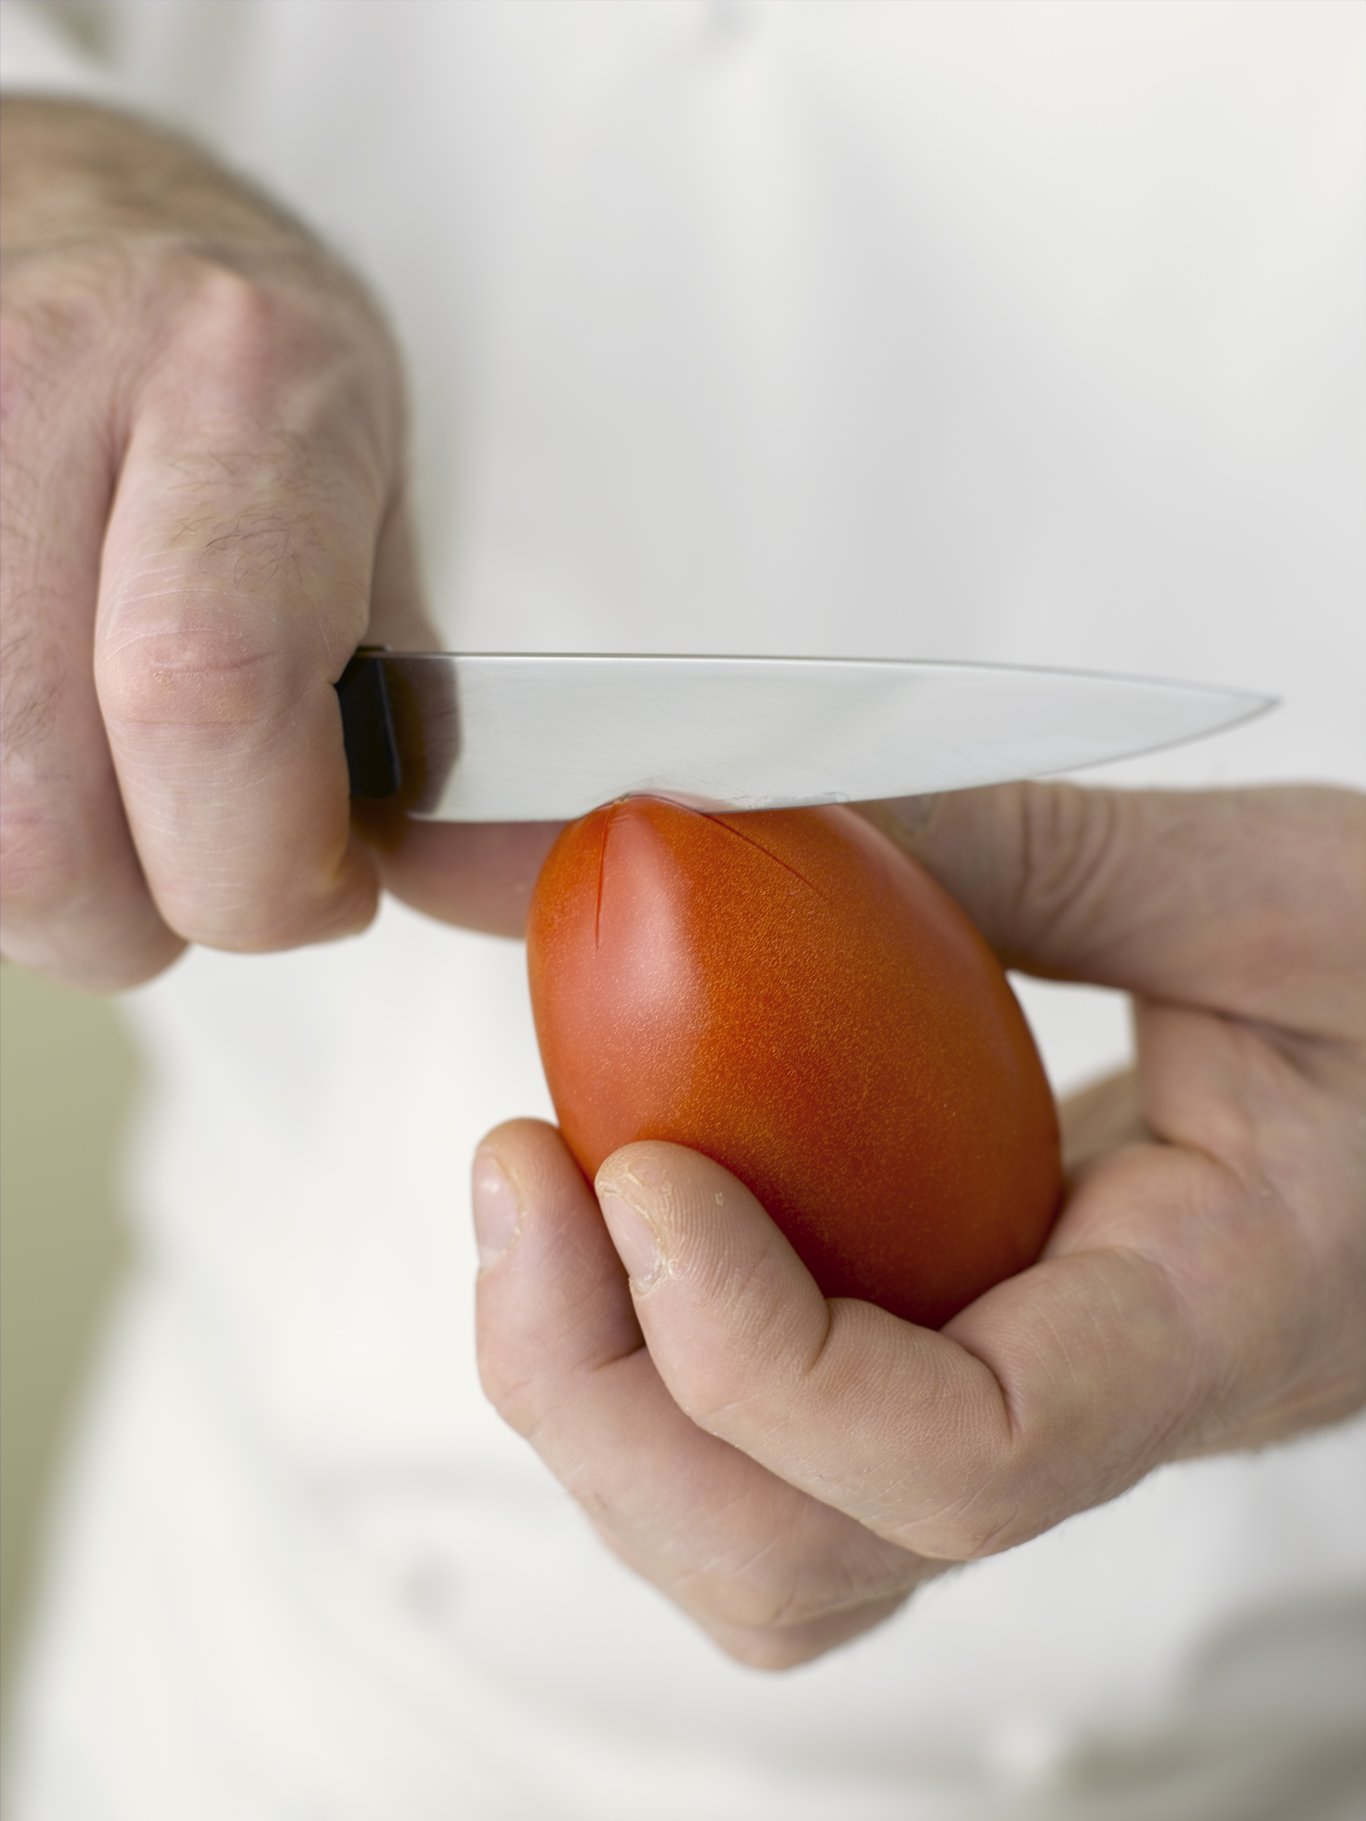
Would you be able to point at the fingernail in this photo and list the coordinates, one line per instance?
(496, 1210)
(633, 1236)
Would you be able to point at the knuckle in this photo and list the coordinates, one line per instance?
(301, 369)
(247, 340)
(231, 318)
(233, 353)
(195, 679)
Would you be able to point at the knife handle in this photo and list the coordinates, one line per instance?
(372, 760)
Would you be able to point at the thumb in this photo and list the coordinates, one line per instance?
(1245, 902)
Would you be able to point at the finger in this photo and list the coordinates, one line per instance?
(479, 875)
(73, 899)
(1055, 1391)
(774, 1576)
(1244, 902)
(236, 584)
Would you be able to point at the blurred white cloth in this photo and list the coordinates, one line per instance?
(1025, 332)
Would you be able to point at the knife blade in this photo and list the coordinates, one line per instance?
(514, 737)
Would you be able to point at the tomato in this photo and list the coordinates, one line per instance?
(791, 995)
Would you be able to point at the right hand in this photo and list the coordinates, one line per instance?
(203, 437)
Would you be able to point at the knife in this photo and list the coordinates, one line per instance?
(511, 737)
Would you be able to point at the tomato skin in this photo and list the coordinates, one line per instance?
(788, 993)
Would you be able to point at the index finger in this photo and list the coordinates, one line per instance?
(235, 586)
(1247, 902)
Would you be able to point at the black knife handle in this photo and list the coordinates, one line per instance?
(368, 727)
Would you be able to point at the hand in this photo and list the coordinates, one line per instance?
(203, 517)
(789, 1469)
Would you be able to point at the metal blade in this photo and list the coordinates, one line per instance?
(494, 737)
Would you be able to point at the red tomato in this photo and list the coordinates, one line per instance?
(786, 992)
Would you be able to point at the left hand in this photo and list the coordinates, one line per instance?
(789, 1469)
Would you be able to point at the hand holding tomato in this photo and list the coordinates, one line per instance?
(787, 1468)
